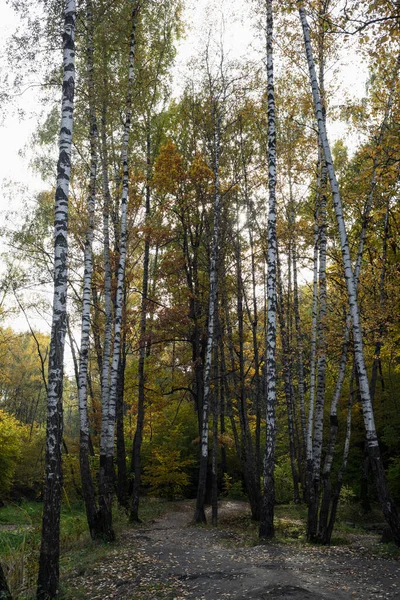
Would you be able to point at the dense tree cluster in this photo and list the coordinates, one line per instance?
(234, 277)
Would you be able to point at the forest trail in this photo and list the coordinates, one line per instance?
(170, 559)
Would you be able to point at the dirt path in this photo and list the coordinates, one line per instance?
(172, 560)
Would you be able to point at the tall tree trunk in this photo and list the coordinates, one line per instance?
(48, 577)
(388, 507)
(137, 440)
(86, 475)
(199, 516)
(287, 378)
(122, 480)
(310, 497)
(327, 535)
(106, 356)
(313, 504)
(376, 365)
(106, 473)
(254, 320)
(214, 458)
(300, 358)
(266, 529)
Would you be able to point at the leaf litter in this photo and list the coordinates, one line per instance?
(170, 559)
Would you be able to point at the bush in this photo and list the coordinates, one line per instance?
(233, 489)
(166, 474)
(394, 478)
(283, 482)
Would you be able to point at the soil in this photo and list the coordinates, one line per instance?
(172, 559)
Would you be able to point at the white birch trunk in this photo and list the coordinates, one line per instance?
(107, 438)
(48, 576)
(86, 477)
(212, 310)
(266, 529)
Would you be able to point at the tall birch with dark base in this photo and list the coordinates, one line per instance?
(266, 529)
(106, 473)
(199, 516)
(48, 576)
(388, 507)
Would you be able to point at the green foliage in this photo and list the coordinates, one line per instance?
(166, 474)
(11, 437)
(233, 489)
(283, 482)
(28, 478)
(347, 495)
(394, 477)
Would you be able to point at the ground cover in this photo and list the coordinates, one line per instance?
(167, 558)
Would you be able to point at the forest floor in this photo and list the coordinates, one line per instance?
(169, 558)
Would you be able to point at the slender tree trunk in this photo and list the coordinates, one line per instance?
(315, 478)
(388, 507)
(300, 357)
(137, 440)
(254, 323)
(376, 365)
(106, 473)
(106, 357)
(266, 529)
(122, 480)
(86, 475)
(214, 460)
(48, 577)
(199, 516)
(287, 383)
(310, 496)
(327, 534)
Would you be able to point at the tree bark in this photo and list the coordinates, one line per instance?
(137, 440)
(199, 516)
(48, 577)
(266, 529)
(122, 480)
(287, 378)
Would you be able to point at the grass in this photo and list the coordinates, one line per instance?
(20, 529)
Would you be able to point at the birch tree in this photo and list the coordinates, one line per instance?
(266, 529)
(388, 507)
(199, 516)
(86, 476)
(47, 586)
(106, 473)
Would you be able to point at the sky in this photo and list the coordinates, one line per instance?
(233, 21)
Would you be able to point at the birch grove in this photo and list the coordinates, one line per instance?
(231, 274)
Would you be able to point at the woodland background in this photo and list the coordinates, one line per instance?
(184, 151)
